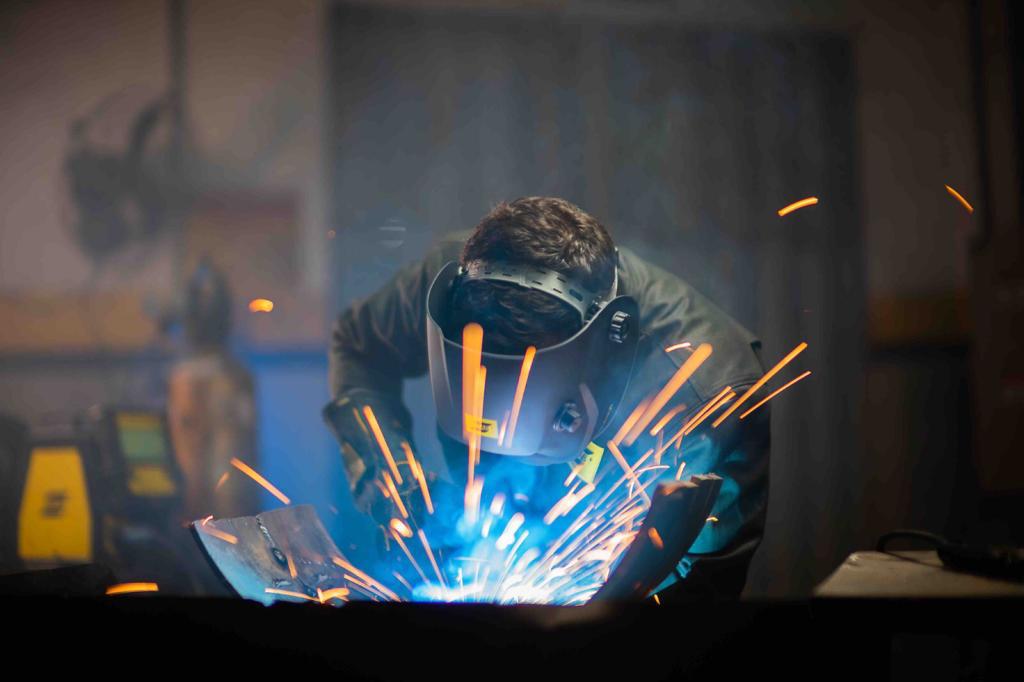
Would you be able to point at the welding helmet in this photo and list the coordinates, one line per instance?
(567, 393)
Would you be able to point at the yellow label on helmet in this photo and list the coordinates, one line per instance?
(488, 428)
(587, 464)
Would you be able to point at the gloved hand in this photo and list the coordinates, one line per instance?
(360, 420)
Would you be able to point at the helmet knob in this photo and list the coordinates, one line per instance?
(568, 419)
(619, 327)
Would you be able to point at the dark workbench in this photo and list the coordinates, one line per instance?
(821, 638)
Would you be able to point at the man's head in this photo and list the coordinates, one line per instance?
(538, 231)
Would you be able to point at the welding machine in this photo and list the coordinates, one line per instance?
(137, 464)
(56, 517)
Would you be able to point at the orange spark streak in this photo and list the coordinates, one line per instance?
(667, 418)
(359, 420)
(566, 504)
(656, 540)
(417, 473)
(365, 587)
(517, 402)
(415, 564)
(694, 421)
(206, 520)
(395, 497)
(775, 393)
(401, 528)
(475, 416)
(722, 400)
(371, 419)
(398, 576)
(430, 555)
(289, 593)
(631, 419)
(504, 427)
(472, 346)
(261, 305)
(626, 468)
(678, 346)
(959, 197)
(712, 519)
(333, 593)
(222, 480)
(684, 372)
(656, 600)
(761, 382)
(131, 588)
(478, 406)
(472, 500)
(349, 567)
(251, 473)
(809, 201)
(291, 566)
(679, 474)
(226, 537)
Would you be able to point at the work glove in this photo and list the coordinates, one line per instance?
(360, 419)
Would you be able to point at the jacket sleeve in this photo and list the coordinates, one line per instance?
(737, 451)
(381, 340)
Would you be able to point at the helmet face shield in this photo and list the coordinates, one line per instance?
(547, 405)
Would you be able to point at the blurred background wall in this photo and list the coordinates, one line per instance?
(327, 143)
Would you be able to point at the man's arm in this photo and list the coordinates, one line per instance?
(375, 345)
(737, 451)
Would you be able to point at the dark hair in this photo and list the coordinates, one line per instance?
(541, 231)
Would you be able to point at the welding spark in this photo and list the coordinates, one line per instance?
(131, 588)
(371, 419)
(395, 497)
(412, 560)
(472, 347)
(417, 473)
(655, 537)
(809, 201)
(724, 396)
(430, 555)
(517, 402)
(679, 346)
(221, 535)
(959, 197)
(582, 541)
(508, 535)
(656, 429)
(366, 578)
(472, 502)
(290, 593)
(401, 528)
(631, 420)
(629, 471)
(222, 480)
(775, 393)
(291, 566)
(340, 593)
(261, 305)
(761, 382)
(673, 385)
(251, 473)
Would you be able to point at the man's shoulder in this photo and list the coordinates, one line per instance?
(672, 312)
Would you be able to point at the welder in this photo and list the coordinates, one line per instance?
(603, 330)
